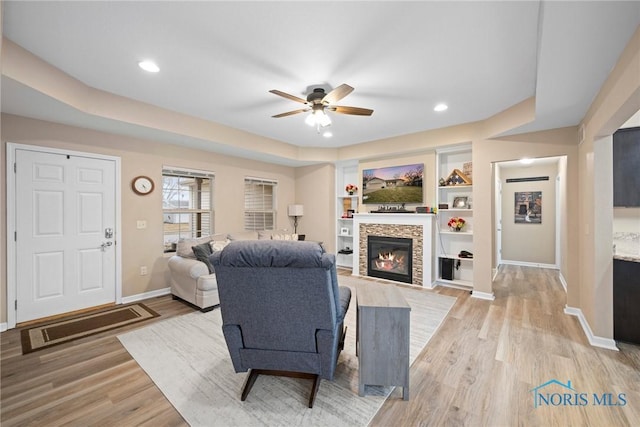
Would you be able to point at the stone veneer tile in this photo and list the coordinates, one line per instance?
(413, 232)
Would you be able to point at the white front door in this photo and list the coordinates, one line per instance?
(65, 224)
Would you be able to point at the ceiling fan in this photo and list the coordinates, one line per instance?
(318, 101)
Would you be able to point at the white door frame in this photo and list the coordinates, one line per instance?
(498, 219)
(12, 290)
(558, 224)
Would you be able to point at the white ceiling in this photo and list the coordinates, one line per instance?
(218, 61)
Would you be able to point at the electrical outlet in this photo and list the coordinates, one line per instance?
(143, 270)
(141, 223)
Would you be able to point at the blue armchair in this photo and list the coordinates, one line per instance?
(282, 309)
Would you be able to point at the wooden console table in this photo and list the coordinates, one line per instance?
(382, 331)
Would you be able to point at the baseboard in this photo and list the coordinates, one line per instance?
(595, 341)
(146, 295)
(3, 327)
(483, 295)
(563, 282)
(530, 264)
(430, 286)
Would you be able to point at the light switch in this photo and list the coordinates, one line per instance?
(141, 224)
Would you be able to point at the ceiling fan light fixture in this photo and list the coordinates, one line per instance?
(310, 120)
(318, 118)
(322, 119)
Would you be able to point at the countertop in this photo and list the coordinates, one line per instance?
(626, 246)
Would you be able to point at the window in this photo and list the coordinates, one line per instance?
(187, 205)
(259, 204)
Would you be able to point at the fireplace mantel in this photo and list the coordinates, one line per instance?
(423, 223)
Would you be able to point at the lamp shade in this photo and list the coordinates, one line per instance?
(296, 210)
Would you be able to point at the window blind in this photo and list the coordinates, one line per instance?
(259, 204)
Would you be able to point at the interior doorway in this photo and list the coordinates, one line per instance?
(529, 207)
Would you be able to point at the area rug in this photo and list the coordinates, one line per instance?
(62, 331)
(187, 358)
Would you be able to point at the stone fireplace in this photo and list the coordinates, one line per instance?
(417, 228)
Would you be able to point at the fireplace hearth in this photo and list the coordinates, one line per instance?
(390, 258)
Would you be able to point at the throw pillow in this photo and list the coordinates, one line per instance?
(184, 246)
(202, 253)
(218, 245)
(284, 237)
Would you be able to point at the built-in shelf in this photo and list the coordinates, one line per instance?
(456, 187)
(464, 284)
(455, 257)
(461, 233)
(456, 210)
(451, 243)
(346, 173)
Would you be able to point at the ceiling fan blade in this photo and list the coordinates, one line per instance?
(337, 94)
(357, 111)
(290, 113)
(286, 95)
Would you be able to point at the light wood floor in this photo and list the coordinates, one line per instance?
(477, 370)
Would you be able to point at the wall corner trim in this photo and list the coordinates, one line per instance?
(564, 285)
(3, 327)
(595, 341)
(483, 295)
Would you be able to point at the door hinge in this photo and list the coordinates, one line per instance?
(15, 167)
(16, 304)
(15, 236)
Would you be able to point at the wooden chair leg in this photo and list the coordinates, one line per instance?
(314, 390)
(248, 383)
(253, 375)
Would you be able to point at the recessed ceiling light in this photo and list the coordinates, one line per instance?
(440, 107)
(327, 134)
(526, 161)
(149, 66)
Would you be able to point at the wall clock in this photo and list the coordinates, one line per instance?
(142, 185)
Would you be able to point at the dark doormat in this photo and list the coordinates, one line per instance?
(62, 331)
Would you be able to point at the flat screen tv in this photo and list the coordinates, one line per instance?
(396, 184)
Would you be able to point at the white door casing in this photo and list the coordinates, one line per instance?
(65, 204)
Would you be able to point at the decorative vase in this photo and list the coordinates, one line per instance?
(351, 193)
(457, 228)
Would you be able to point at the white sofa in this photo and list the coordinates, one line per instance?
(190, 279)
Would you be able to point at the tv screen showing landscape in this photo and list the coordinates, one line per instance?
(397, 184)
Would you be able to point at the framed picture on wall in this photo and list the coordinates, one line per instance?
(528, 207)
(460, 203)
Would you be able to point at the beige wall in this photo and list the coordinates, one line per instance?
(617, 101)
(529, 243)
(316, 190)
(3, 205)
(140, 157)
